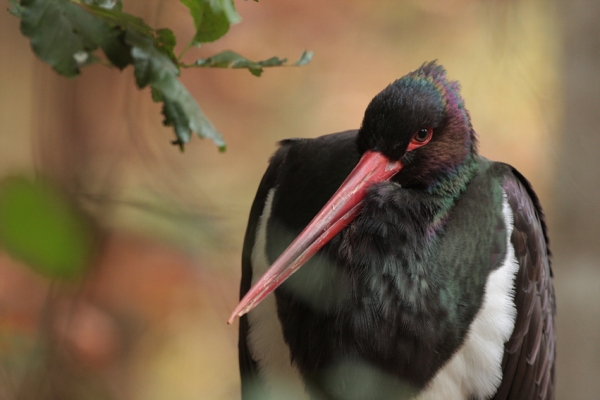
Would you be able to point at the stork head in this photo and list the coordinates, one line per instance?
(417, 133)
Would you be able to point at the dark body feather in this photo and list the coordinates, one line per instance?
(390, 299)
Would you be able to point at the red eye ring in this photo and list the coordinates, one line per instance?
(420, 138)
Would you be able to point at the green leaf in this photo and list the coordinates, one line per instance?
(152, 67)
(156, 95)
(124, 21)
(229, 9)
(176, 117)
(15, 8)
(106, 4)
(62, 34)
(113, 44)
(41, 228)
(231, 59)
(117, 52)
(166, 41)
(212, 18)
(304, 59)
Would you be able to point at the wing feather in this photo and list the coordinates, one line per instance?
(528, 364)
(248, 366)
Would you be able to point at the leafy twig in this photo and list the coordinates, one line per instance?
(231, 59)
(68, 33)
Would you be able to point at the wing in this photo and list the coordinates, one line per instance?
(248, 366)
(528, 364)
(294, 170)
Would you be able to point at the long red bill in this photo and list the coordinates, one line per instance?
(339, 211)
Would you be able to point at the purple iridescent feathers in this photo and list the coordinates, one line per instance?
(433, 74)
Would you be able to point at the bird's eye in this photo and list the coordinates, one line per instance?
(420, 138)
(422, 134)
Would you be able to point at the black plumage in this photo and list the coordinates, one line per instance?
(393, 295)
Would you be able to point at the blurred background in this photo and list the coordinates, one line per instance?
(148, 319)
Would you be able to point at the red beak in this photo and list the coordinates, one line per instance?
(339, 211)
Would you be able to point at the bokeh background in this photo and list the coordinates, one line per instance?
(148, 319)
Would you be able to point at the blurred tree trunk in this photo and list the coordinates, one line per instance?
(578, 190)
(576, 226)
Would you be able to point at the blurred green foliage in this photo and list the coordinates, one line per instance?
(40, 227)
(67, 34)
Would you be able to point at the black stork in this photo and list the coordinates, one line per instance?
(426, 266)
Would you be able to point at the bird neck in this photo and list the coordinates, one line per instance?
(453, 183)
(441, 196)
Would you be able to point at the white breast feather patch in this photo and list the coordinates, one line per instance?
(475, 371)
